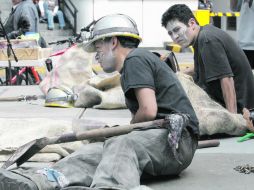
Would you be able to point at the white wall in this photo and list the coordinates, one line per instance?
(132, 8)
(146, 13)
(85, 12)
(154, 35)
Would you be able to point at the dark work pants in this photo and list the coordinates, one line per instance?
(119, 162)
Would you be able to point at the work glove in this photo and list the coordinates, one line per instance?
(175, 123)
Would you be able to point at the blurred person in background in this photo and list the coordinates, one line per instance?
(22, 20)
(51, 9)
(204, 4)
(40, 8)
(245, 29)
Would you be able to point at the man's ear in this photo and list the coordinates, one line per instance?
(114, 42)
(192, 23)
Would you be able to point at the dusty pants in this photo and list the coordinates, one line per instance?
(119, 162)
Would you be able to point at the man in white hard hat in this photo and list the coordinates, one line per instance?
(152, 91)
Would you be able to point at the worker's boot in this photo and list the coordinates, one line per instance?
(13, 181)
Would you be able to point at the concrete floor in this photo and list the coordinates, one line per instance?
(211, 169)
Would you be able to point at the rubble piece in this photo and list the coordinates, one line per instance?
(246, 169)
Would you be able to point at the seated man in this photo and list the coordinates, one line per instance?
(51, 10)
(152, 91)
(40, 9)
(220, 66)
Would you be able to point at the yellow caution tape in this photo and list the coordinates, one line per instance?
(227, 14)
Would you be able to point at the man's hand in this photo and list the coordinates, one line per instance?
(229, 95)
(249, 122)
(55, 10)
(147, 110)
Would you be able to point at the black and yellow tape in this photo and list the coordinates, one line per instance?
(203, 16)
(178, 49)
(227, 14)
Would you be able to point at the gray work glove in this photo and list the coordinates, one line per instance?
(175, 123)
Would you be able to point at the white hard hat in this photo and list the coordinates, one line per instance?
(112, 25)
(60, 97)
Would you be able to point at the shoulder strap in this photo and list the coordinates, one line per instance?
(172, 62)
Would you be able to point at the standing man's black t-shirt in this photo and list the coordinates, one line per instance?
(143, 69)
(216, 55)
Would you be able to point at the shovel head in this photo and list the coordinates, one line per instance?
(25, 152)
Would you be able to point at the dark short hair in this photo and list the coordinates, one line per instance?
(125, 41)
(128, 42)
(179, 12)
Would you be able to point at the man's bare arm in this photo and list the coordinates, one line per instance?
(147, 110)
(229, 95)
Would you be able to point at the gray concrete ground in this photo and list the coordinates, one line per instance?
(212, 168)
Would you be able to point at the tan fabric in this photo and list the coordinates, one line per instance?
(109, 99)
(73, 68)
(104, 82)
(112, 99)
(16, 132)
(104, 92)
(101, 92)
(213, 118)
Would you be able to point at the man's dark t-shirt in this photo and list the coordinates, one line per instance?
(143, 69)
(216, 55)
